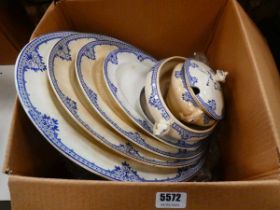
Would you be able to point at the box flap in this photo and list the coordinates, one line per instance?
(52, 21)
(157, 16)
(48, 194)
(252, 125)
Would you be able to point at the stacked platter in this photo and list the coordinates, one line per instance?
(86, 94)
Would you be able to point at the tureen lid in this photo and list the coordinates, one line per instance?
(204, 85)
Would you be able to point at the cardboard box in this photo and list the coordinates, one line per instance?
(249, 135)
(13, 33)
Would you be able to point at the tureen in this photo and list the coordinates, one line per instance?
(165, 122)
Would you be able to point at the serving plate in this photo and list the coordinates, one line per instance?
(42, 108)
(125, 74)
(89, 65)
(61, 74)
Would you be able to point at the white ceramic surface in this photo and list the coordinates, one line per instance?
(165, 122)
(125, 75)
(62, 77)
(42, 108)
(89, 64)
(210, 96)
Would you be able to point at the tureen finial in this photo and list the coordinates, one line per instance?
(220, 76)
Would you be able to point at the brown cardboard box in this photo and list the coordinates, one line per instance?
(249, 135)
(13, 33)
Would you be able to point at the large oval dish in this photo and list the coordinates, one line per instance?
(41, 107)
(63, 81)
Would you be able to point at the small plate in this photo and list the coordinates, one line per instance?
(89, 65)
(42, 108)
(61, 75)
(125, 74)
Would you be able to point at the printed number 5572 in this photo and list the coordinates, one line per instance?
(170, 197)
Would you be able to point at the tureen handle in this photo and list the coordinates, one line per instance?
(220, 76)
(162, 127)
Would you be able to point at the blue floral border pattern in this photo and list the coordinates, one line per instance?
(49, 127)
(135, 137)
(63, 52)
(156, 102)
(33, 60)
(72, 107)
(209, 105)
(154, 99)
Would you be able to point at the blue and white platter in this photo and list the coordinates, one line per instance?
(61, 70)
(42, 108)
(89, 65)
